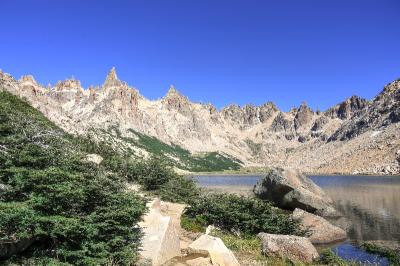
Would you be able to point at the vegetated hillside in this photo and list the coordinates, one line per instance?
(196, 136)
(139, 145)
(56, 207)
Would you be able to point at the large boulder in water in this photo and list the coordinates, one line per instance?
(289, 189)
(294, 248)
(319, 230)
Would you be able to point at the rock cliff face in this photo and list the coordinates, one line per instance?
(355, 136)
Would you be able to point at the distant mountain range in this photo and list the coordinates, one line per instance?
(354, 136)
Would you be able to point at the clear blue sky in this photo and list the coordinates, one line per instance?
(212, 51)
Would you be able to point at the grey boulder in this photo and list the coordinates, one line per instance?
(290, 189)
(319, 230)
(294, 248)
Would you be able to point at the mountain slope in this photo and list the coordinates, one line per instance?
(251, 135)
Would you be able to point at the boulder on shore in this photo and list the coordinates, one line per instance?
(290, 189)
(215, 248)
(319, 229)
(295, 248)
(160, 242)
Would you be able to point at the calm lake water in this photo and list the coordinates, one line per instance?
(370, 206)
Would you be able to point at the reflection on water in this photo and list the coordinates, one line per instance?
(372, 204)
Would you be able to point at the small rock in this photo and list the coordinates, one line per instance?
(215, 248)
(209, 229)
(295, 248)
(94, 158)
(321, 231)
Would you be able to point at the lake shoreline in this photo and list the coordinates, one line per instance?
(264, 173)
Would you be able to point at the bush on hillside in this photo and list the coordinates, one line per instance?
(241, 214)
(180, 189)
(152, 173)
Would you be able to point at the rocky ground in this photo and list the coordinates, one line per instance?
(357, 136)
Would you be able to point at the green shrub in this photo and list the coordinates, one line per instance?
(328, 257)
(180, 189)
(241, 214)
(151, 173)
(391, 255)
(197, 224)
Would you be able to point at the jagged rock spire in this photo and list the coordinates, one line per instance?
(172, 90)
(28, 78)
(112, 79)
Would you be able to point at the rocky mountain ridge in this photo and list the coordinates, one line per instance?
(355, 136)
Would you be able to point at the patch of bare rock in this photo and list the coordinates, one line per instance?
(295, 248)
(290, 189)
(94, 158)
(319, 230)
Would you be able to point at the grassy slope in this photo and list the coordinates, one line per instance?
(173, 154)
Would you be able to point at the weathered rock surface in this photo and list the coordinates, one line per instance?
(161, 240)
(382, 111)
(289, 189)
(319, 230)
(356, 135)
(303, 116)
(295, 248)
(348, 108)
(198, 261)
(215, 248)
(320, 123)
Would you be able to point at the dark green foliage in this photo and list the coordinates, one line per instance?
(74, 211)
(391, 255)
(157, 176)
(241, 214)
(197, 224)
(328, 257)
(180, 189)
(151, 173)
